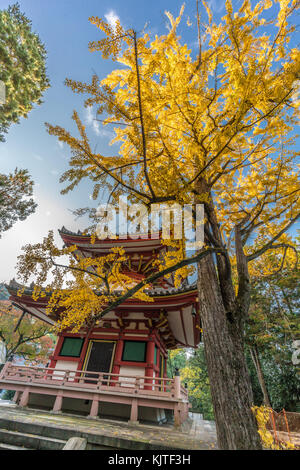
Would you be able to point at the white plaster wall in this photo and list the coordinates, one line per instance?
(175, 325)
(134, 371)
(188, 324)
(64, 365)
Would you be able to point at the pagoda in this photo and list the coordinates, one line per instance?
(119, 367)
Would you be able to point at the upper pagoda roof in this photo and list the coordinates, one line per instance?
(146, 244)
(139, 252)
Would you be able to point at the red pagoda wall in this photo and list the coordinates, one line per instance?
(149, 367)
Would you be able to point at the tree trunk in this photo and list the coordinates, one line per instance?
(228, 374)
(260, 375)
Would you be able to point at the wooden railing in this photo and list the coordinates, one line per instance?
(94, 380)
(155, 392)
(184, 392)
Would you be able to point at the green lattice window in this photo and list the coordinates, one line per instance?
(71, 347)
(134, 351)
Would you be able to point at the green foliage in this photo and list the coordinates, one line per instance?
(176, 360)
(272, 327)
(28, 339)
(15, 190)
(282, 382)
(8, 395)
(194, 375)
(22, 67)
(274, 312)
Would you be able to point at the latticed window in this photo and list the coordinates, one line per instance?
(134, 351)
(71, 347)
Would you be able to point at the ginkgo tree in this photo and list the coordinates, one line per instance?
(216, 129)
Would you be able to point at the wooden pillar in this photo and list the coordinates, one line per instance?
(165, 376)
(84, 349)
(94, 407)
(177, 386)
(58, 403)
(16, 396)
(117, 359)
(177, 395)
(150, 362)
(56, 352)
(177, 417)
(24, 398)
(165, 367)
(134, 412)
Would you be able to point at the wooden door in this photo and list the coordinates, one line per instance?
(100, 356)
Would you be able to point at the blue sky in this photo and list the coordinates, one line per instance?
(64, 28)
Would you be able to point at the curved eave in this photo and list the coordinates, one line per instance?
(102, 247)
(35, 308)
(185, 328)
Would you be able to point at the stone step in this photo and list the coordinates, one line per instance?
(32, 441)
(38, 429)
(52, 432)
(100, 434)
(4, 446)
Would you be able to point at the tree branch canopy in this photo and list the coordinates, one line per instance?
(217, 128)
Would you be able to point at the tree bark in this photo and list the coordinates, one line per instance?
(228, 374)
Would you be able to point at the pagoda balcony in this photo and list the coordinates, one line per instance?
(97, 388)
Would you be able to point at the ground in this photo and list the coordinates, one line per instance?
(196, 434)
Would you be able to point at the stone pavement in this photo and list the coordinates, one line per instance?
(196, 434)
(6, 403)
(203, 430)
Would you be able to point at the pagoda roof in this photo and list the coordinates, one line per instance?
(139, 252)
(102, 247)
(185, 290)
(177, 302)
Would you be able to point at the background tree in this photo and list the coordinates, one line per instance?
(195, 375)
(22, 67)
(216, 129)
(177, 359)
(272, 327)
(15, 202)
(193, 371)
(23, 336)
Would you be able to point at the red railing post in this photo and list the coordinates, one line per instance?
(16, 396)
(177, 387)
(149, 363)
(134, 411)
(94, 407)
(4, 370)
(58, 403)
(287, 425)
(24, 398)
(100, 379)
(65, 377)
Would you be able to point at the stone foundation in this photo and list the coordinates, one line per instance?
(106, 410)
